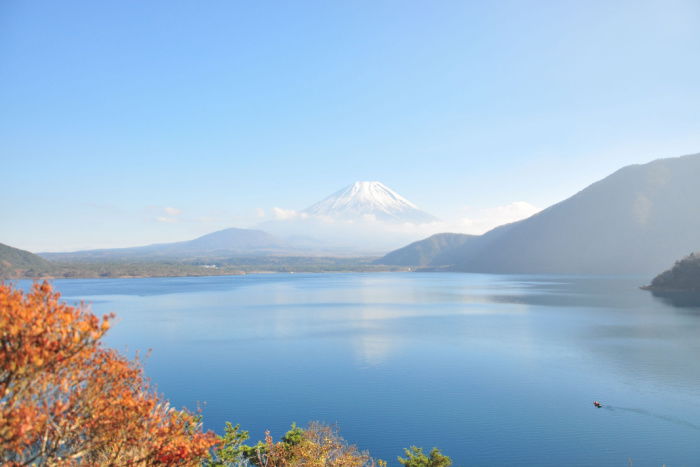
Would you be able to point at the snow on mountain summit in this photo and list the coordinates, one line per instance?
(363, 200)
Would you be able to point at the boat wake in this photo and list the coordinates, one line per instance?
(667, 418)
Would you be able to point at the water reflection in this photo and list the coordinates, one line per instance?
(679, 299)
(372, 349)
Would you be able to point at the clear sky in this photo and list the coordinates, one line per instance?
(131, 122)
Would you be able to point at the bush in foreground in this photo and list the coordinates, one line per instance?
(316, 446)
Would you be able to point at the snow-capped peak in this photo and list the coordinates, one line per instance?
(363, 200)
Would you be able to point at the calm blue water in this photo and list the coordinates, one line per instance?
(495, 370)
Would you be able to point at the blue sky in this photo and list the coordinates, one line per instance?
(113, 111)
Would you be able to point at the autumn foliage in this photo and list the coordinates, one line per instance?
(317, 445)
(67, 400)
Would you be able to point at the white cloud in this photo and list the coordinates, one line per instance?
(168, 214)
(172, 211)
(480, 220)
(369, 234)
(260, 212)
(470, 220)
(288, 214)
(284, 214)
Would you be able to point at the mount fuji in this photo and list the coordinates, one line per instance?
(364, 218)
(369, 201)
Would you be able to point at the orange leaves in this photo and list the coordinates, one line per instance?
(66, 399)
(316, 446)
(36, 331)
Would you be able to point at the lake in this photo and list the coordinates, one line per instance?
(495, 370)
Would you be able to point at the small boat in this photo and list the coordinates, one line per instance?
(597, 404)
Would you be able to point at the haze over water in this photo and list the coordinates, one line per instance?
(494, 370)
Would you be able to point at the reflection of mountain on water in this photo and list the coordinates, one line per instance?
(372, 349)
(678, 299)
(585, 291)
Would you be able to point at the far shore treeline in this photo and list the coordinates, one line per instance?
(21, 264)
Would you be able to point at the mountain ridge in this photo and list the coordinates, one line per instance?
(231, 241)
(425, 252)
(15, 263)
(636, 220)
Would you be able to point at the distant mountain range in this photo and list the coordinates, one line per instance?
(636, 221)
(223, 243)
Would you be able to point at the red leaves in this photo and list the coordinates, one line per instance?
(66, 399)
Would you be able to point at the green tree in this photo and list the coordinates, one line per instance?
(415, 457)
(232, 451)
(293, 436)
(316, 446)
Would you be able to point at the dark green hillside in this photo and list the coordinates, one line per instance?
(683, 276)
(16, 263)
(426, 252)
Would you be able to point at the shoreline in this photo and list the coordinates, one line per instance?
(208, 274)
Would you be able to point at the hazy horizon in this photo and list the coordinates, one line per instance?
(363, 234)
(129, 124)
